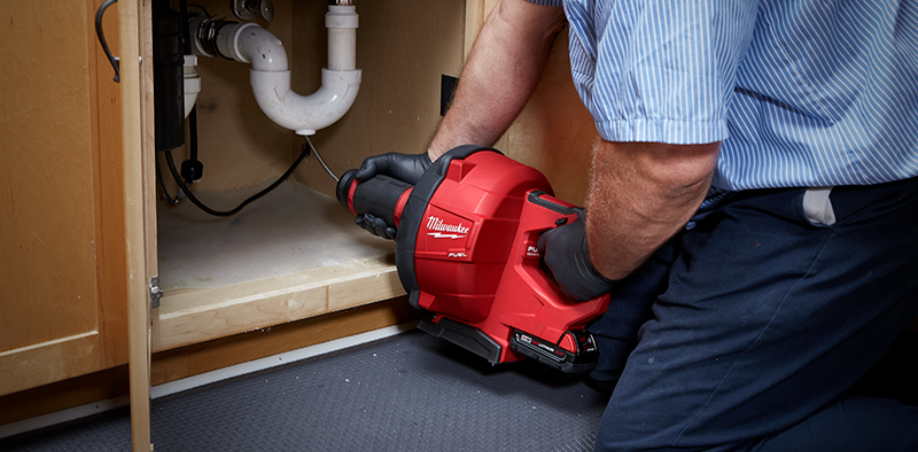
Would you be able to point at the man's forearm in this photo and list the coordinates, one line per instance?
(641, 194)
(500, 75)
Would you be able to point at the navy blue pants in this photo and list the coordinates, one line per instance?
(747, 331)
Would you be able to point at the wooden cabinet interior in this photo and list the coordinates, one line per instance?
(402, 59)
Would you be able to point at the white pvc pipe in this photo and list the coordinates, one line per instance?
(192, 82)
(341, 22)
(305, 114)
(249, 43)
(270, 74)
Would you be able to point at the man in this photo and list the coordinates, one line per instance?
(741, 325)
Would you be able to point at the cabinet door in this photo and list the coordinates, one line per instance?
(139, 202)
(74, 295)
(62, 311)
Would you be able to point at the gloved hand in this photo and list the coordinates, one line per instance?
(564, 251)
(376, 226)
(404, 167)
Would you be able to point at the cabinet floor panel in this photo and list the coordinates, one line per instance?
(291, 255)
(290, 230)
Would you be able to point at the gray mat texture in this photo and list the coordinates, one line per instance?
(411, 392)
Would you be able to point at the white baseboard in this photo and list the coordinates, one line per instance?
(276, 360)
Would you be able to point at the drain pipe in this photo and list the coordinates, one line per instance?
(192, 82)
(270, 73)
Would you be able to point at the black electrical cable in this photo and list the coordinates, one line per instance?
(194, 167)
(186, 34)
(193, 150)
(191, 168)
(227, 213)
(162, 185)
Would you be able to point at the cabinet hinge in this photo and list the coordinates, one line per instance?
(155, 292)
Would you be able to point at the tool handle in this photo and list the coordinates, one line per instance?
(552, 212)
(527, 281)
(562, 209)
(543, 213)
(380, 196)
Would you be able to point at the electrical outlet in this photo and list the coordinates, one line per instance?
(448, 86)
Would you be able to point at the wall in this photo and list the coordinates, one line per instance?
(238, 145)
(403, 48)
(401, 56)
(555, 132)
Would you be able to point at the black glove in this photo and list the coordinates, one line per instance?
(376, 226)
(564, 251)
(404, 167)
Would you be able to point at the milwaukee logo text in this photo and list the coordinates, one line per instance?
(437, 224)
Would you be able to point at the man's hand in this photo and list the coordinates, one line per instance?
(404, 167)
(376, 226)
(564, 251)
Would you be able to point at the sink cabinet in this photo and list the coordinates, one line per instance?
(85, 237)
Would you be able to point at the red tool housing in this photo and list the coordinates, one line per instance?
(466, 250)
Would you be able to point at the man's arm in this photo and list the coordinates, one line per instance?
(641, 194)
(501, 72)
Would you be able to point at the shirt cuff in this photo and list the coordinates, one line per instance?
(663, 131)
(558, 3)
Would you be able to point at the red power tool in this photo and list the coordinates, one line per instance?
(466, 250)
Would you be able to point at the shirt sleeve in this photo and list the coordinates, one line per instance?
(664, 70)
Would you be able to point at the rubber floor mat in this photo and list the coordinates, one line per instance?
(410, 392)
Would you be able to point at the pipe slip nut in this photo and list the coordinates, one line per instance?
(341, 17)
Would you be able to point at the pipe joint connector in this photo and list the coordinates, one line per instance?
(249, 43)
(341, 17)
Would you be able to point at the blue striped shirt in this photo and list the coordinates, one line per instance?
(802, 93)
